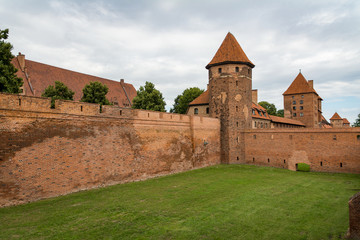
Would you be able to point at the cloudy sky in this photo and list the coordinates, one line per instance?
(169, 42)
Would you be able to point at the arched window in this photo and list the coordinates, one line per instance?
(236, 69)
(196, 111)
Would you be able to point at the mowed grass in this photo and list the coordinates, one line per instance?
(220, 202)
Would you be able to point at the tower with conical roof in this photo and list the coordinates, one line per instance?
(230, 97)
(302, 103)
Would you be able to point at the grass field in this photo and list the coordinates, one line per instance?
(220, 202)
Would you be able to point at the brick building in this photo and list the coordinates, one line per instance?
(38, 76)
(229, 59)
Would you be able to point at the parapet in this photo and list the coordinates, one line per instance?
(43, 105)
(24, 103)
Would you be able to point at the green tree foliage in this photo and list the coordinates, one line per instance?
(280, 113)
(270, 107)
(182, 101)
(357, 122)
(60, 91)
(9, 82)
(95, 92)
(149, 98)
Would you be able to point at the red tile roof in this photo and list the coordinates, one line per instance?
(299, 85)
(257, 109)
(336, 117)
(203, 99)
(230, 52)
(286, 120)
(42, 75)
(345, 121)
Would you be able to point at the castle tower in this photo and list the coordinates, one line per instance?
(230, 97)
(302, 103)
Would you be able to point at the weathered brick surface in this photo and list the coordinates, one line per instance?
(45, 154)
(354, 217)
(326, 150)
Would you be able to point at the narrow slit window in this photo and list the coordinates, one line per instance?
(207, 110)
(340, 164)
(284, 161)
(237, 158)
(321, 164)
(120, 112)
(81, 108)
(253, 159)
(268, 160)
(19, 101)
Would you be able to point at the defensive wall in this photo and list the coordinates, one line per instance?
(48, 152)
(325, 150)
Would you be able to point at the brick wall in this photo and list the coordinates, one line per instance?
(326, 150)
(46, 153)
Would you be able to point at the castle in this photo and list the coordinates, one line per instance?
(47, 152)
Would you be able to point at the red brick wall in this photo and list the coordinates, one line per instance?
(47, 153)
(326, 150)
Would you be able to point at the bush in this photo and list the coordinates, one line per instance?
(303, 167)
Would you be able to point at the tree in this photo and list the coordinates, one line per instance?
(357, 122)
(60, 91)
(270, 107)
(95, 92)
(9, 82)
(149, 98)
(182, 101)
(280, 113)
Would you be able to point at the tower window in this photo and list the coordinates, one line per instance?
(237, 108)
(196, 111)
(236, 69)
(294, 107)
(294, 102)
(301, 107)
(293, 97)
(249, 70)
(237, 124)
(301, 101)
(340, 164)
(219, 70)
(19, 101)
(320, 163)
(207, 110)
(81, 108)
(120, 112)
(294, 114)
(302, 96)
(301, 114)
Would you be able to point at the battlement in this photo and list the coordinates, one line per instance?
(15, 102)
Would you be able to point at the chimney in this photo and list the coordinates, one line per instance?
(21, 60)
(311, 83)
(254, 94)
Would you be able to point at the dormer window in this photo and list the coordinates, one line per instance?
(219, 70)
(236, 69)
(259, 113)
(253, 112)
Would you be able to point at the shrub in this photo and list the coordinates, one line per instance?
(303, 167)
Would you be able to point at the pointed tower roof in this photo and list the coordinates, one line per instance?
(230, 52)
(299, 85)
(336, 117)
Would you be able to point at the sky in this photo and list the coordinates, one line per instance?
(169, 42)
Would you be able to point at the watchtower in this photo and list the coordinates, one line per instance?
(230, 97)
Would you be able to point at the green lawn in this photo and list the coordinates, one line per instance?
(220, 202)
